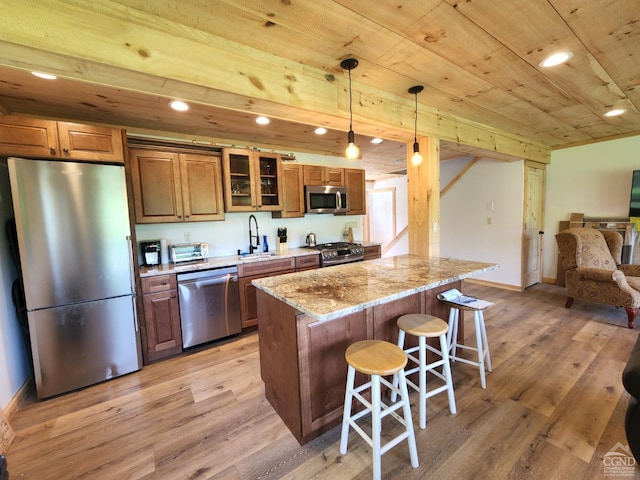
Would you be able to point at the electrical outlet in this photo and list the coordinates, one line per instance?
(187, 236)
(351, 224)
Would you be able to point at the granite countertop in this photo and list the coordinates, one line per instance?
(220, 262)
(229, 261)
(333, 292)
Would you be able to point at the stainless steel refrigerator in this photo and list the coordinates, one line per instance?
(72, 226)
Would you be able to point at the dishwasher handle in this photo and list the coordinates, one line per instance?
(191, 277)
(209, 281)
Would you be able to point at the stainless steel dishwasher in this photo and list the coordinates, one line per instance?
(209, 305)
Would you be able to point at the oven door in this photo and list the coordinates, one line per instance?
(325, 199)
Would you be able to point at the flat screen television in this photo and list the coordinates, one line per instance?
(634, 202)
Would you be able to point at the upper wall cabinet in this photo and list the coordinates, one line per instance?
(292, 192)
(356, 191)
(321, 176)
(252, 180)
(170, 186)
(34, 137)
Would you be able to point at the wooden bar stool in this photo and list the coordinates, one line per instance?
(482, 345)
(426, 326)
(377, 358)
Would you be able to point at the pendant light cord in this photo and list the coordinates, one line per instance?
(350, 104)
(415, 125)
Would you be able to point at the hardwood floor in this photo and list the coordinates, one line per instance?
(553, 407)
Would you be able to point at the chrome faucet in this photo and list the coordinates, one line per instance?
(253, 247)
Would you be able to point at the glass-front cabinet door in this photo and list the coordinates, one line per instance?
(268, 167)
(251, 180)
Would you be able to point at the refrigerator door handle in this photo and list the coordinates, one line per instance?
(132, 273)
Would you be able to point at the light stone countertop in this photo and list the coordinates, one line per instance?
(328, 293)
(229, 261)
(220, 262)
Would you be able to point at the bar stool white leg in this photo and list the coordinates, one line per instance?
(486, 342)
(422, 380)
(452, 334)
(406, 410)
(376, 426)
(348, 396)
(480, 345)
(444, 346)
(401, 336)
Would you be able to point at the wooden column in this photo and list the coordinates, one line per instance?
(424, 198)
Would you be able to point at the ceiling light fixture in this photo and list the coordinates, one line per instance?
(179, 105)
(262, 120)
(416, 158)
(377, 140)
(46, 76)
(615, 112)
(556, 59)
(352, 152)
(320, 131)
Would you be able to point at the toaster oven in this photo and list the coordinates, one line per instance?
(188, 252)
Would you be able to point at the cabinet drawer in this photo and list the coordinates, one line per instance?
(159, 283)
(307, 262)
(270, 266)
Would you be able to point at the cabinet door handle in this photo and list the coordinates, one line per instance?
(164, 282)
(52, 150)
(173, 296)
(66, 151)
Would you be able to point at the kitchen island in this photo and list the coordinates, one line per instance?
(306, 321)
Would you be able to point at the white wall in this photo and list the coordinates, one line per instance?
(14, 361)
(400, 186)
(592, 179)
(465, 231)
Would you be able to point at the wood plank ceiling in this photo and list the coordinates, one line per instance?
(477, 59)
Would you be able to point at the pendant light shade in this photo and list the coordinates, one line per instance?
(352, 152)
(416, 158)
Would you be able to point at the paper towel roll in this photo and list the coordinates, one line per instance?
(164, 251)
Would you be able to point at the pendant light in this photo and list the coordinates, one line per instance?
(352, 152)
(416, 159)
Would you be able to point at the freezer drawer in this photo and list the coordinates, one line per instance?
(209, 305)
(78, 345)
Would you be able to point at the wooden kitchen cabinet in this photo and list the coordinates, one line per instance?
(34, 137)
(251, 271)
(161, 330)
(356, 191)
(323, 176)
(307, 262)
(292, 192)
(252, 180)
(372, 251)
(176, 186)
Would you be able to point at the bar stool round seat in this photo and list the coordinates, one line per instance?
(377, 359)
(482, 345)
(426, 326)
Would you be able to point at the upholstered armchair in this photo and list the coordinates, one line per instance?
(591, 259)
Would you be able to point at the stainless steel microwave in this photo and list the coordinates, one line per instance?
(325, 199)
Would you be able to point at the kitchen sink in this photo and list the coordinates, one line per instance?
(252, 257)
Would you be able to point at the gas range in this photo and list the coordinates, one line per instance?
(339, 252)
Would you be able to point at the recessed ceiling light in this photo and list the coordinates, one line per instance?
(46, 76)
(615, 112)
(179, 105)
(320, 131)
(376, 140)
(262, 120)
(556, 59)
